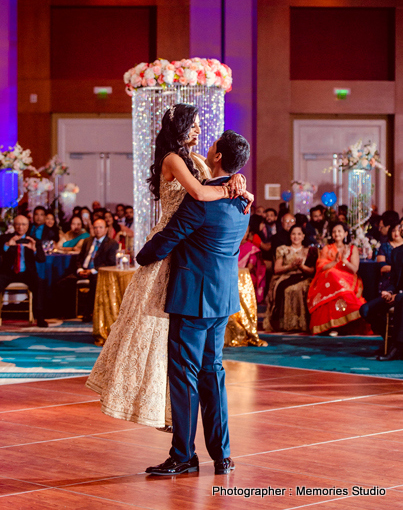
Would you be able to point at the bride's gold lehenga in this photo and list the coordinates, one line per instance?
(130, 373)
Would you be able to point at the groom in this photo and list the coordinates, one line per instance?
(202, 294)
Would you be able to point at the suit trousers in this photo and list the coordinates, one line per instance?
(196, 375)
(66, 291)
(35, 285)
(375, 312)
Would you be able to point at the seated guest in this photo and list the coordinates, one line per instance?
(97, 251)
(96, 205)
(375, 311)
(260, 211)
(283, 235)
(385, 254)
(293, 269)
(98, 213)
(73, 240)
(19, 252)
(334, 297)
(271, 221)
(316, 228)
(39, 230)
(387, 218)
(86, 219)
(77, 210)
(251, 257)
(129, 216)
(113, 226)
(301, 220)
(54, 231)
(120, 213)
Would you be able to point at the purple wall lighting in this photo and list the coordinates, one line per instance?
(8, 92)
(9, 188)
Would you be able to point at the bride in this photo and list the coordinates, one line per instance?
(131, 372)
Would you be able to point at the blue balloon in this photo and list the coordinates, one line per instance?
(329, 198)
(286, 196)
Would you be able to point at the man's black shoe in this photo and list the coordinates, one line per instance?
(224, 466)
(174, 467)
(394, 353)
(41, 323)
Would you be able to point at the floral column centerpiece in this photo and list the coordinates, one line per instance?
(303, 196)
(154, 87)
(13, 162)
(38, 191)
(359, 161)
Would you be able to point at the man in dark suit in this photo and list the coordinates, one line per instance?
(19, 254)
(375, 311)
(202, 293)
(38, 230)
(97, 251)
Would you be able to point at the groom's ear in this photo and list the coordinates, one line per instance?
(217, 157)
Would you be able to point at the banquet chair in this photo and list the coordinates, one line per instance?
(389, 329)
(16, 288)
(82, 288)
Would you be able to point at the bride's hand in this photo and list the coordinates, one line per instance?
(250, 198)
(236, 185)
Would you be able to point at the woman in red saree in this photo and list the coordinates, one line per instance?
(335, 294)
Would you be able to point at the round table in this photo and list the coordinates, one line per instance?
(56, 267)
(111, 286)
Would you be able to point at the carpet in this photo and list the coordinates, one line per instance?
(31, 353)
(349, 354)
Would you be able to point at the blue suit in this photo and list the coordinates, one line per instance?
(202, 292)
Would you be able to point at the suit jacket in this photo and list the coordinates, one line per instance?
(8, 257)
(204, 268)
(47, 234)
(396, 272)
(105, 256)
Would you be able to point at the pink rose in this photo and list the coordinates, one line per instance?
(201, 78)
(157, 70)
(170, 67)
(227, 84)
(176, 63)
(160, 79)
(194, 67)
(135, 81)
(144, 82)
(179, 71)
(183, 81)
(151, 82)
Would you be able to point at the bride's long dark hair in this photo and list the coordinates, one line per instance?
(176, 124)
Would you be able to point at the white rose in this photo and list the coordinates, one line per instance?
(168, 76)
(149, 73)
(210, 78)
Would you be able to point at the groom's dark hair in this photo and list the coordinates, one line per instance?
(235, 151)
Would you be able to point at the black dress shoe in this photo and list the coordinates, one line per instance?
(224, 466)
(41, 324)
(173, 467)
(394, 353)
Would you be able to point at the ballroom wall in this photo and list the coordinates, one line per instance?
(255, 38)
(281, 99)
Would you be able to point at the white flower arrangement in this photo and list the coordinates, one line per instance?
(365, 246)
(54, 167)
(362, 157)
(192, 71)
(16, 158)
(300, 186)
(71, 188)
(37, 185)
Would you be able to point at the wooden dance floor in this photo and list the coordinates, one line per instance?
(300, 439)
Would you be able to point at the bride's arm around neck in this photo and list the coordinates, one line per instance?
(174, 167)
